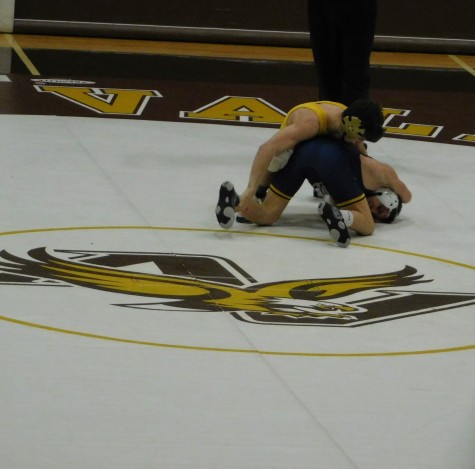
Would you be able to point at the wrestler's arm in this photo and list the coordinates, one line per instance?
(391, 180)
(377, 175)
(286, 138)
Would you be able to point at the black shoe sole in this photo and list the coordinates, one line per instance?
(336, 226)
(227, 200)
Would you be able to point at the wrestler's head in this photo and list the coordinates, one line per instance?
(363, 120)
(385, 204)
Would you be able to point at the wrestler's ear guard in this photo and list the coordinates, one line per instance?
(391, 201)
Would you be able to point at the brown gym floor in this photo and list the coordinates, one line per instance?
(428, 90)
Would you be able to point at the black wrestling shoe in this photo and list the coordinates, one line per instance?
(228, 199)
(331, 215)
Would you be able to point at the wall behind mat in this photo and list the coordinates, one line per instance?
(403, 25)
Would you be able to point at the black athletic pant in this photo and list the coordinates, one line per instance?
(342, 33)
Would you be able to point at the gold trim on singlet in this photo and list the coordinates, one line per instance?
(279, 193)
(356, 200)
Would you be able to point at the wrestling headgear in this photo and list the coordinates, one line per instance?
(391, 201)
(363, 119)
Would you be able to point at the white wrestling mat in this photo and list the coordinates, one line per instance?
(135, 333)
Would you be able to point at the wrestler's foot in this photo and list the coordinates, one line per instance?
(319, 190)
(331, 215)
(228, 199)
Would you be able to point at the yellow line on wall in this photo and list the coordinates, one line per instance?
(464, 65)
(21, 54)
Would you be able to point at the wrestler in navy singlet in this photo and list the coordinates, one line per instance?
(327, 160)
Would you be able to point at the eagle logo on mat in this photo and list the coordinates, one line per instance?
(210, 284)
